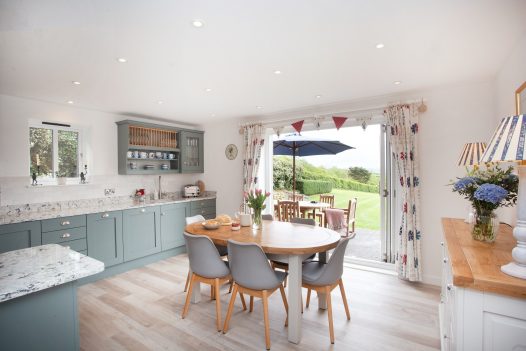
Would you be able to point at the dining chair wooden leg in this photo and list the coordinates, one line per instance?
(188, 296)
(218, 304)
(187, 281)
(251, 304)
(212, 292)
(329, 310)
(265, 317)
(243, 301)
(231, 282)
(342, 290)
(308, 298)
(285, 303)
(230, 308)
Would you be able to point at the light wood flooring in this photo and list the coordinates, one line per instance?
(141, 310)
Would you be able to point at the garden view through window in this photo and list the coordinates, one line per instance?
(54, 152)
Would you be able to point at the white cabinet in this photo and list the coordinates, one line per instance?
(473, 319)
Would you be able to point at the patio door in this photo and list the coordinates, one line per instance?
(387, 195)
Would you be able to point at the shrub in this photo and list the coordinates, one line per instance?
(359, 174)
(312, 187)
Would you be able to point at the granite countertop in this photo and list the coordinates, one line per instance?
(26, 271)
(34, 212)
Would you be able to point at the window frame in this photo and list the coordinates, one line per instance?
(46, 180)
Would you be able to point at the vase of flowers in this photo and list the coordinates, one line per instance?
(487, 189)
(255, 199)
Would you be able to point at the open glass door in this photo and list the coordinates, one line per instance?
(386, 198)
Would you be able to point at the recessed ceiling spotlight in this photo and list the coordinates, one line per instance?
(70, 102)
(208, 90)
(197, 23)
(318, 96)
(277, 72)
(122, 60)
(397, 82)
(380, 46)
(76, 82)
(259, 107)
(160, 102)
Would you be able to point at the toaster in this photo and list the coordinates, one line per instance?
(191, 191)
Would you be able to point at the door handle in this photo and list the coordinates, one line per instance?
(65, 223)
(385, 193)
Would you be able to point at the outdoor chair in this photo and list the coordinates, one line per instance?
(324, 277)
(343, 220)
(328, 199)
(288, 210)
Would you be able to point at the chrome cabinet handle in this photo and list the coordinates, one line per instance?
(162, 213)
(105, 215)
(67, 247)
(66, 235)
(441, 243)
(449, 287)
(445, 336)
(65, 223)
(143, 210)
(445, 260)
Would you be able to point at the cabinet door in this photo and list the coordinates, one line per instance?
(20, 236)
(192, 152)
(104, 231)
(141, 232)
(173, 220)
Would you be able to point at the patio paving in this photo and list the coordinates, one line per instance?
(366, 245)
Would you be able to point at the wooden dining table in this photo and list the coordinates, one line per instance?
(291, 240)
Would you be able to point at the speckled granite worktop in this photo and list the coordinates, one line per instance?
(34, 212)
(37, 268)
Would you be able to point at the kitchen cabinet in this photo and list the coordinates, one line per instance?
(66, 231)
(20, 236)
(141, 232)
(173, 221)
(205, 208)
(192, 153)
(105, 237)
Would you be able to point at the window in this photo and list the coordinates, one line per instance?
(54, 151)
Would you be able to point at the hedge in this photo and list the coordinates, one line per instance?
(340, 183)
(312, 187)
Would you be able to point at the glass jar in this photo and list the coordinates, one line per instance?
(485, 226)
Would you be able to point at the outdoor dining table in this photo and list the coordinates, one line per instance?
(284, 238)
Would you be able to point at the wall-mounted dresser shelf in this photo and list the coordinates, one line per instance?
(146, 148)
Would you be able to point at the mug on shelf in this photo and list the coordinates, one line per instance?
(129, 154)
(144, 154)
(135, 154)
(158, 154)
(133, 165)
(171, 156)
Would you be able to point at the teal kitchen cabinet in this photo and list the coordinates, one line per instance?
(192, 154)
(66, 231)
(173, 221)
(105, 237)
(205, 208)
(141, 232)
(20, 236)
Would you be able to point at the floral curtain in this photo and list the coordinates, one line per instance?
(403, 123)
(254, 138)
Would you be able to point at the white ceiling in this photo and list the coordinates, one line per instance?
(322, 47)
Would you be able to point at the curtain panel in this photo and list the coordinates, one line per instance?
(254, 139)
(403, 123)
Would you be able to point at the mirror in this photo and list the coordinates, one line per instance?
(520, 99)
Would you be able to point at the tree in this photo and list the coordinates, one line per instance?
(359, 174)
(282, 172)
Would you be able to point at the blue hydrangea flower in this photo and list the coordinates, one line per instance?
(491, 193)
(463, 183)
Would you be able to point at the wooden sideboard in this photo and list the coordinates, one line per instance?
(481, 308)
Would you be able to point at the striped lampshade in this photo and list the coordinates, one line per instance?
(507, 143)
(471, 154)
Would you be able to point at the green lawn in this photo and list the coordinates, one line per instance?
(367, 210)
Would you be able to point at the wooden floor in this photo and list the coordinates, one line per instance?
(141, 310)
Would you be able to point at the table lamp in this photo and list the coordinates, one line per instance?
(507, 144)
(471, 154)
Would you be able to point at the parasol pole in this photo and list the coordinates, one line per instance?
(294, 171)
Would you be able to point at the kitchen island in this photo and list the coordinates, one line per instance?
(38, 297)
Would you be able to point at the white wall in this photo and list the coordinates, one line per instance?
(100, 134)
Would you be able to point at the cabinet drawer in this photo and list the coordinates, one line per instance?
(49, 225)
(76, 245)
(60, 236)
(202, 204)
(209, 212)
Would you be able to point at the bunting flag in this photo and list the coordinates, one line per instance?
(339, 121)
(298, 126)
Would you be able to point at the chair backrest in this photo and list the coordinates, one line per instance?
(351, 215)
(250, 267)
(267, 217)
(288, 210)
(333, 270)
(295, 197)
(204, 258)
(307, 221)
(194, 219)
(328, 199)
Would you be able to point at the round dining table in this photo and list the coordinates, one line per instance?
(295, 241)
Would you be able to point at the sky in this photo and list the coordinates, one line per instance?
(366, 153)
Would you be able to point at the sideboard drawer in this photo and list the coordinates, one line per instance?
(76, 245)
(49, 225)
(59, 236)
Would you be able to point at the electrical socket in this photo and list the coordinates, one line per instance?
(110, 191)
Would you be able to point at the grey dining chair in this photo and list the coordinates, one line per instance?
(253, 276)
(267, 217)
(324, 277)
(221, 249)
(207, 267)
